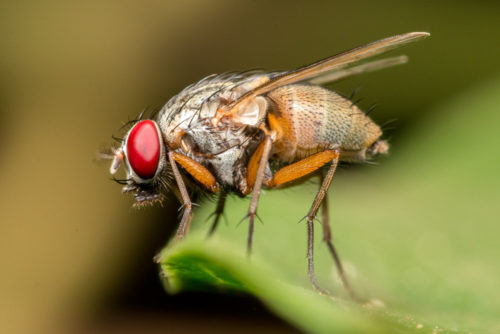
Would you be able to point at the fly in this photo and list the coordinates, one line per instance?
(241, 132)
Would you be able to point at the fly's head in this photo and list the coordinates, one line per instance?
(143, 153)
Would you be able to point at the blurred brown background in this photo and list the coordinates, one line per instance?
(71, 248)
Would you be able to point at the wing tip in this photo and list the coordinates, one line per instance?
(419, 34)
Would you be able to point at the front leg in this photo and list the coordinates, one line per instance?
(187, 215)
(201, 174)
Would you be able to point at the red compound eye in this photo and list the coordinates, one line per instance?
(143, 149)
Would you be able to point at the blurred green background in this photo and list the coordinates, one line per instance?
(420, 228)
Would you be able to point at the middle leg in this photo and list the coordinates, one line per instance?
(219, 210)
(257, 186)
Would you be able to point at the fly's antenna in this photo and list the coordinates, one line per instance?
(118, 157)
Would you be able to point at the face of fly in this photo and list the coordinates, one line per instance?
(143, 154)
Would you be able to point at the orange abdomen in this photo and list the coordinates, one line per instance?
(310, 118)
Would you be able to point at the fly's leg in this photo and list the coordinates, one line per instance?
(188, 205)
(218, 211)
(327, 231)
(291, 173)
(201, 174)
(297, 170)
(310, 258)
(259, 179)
(310, 219)
(327, 237)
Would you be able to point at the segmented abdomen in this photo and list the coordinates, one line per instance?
(314, 118)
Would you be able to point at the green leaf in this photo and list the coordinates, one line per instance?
(418, 234)
(188, 266)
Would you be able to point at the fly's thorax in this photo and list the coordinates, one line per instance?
(185, 124)
(185, 112)
(197, 104)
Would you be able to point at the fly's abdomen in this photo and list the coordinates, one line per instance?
(312, 118)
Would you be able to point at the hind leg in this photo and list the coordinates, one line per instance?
(297, 170)
(327, 237)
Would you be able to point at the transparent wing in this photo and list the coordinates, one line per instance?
(363, 68)
(327, 66)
